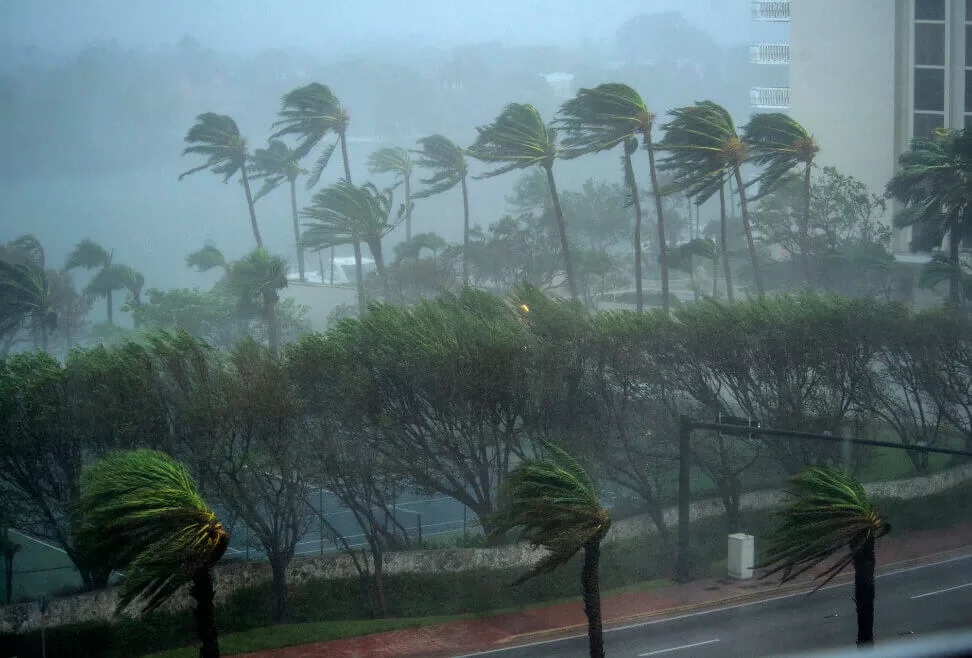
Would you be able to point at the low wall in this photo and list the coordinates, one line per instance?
(231, 576)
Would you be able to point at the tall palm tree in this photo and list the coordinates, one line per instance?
(933, 183)
(553, 504)
(310, 113)
(256, 280)
(107, 280)
(599, 119)
(704, 152)
(275, 164)
(519, 139)
(90, 255)
(779, 143)
(828, 514)
(348, 214)
(140, 511)
(397, 161)
(449, 167)
(206, 259)
(217, 137)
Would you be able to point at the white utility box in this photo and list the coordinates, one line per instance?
(741, 555)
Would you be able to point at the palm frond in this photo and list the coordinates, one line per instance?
(206, 259)
(218, 139)
(601, 118)
(89, 255)
(778, 143)
(517, 139)
(310, 113)
(344, 213)
(447, 162)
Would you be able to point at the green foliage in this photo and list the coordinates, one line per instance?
(346, 214)
(601, 118)
(777, 142)
(217, 138)
(310, 113)
(89, 255)
(275, 164)
(206, 259)
(446, 161)
(703, 149)
(517, 139)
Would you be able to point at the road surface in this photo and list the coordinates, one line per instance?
(911, 602)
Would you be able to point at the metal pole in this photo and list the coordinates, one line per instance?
(684, 446)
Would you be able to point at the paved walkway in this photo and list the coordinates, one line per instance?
(495, 631)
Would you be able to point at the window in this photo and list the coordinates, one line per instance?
(930, 90)
(926, 123)
(930, 10)
(968, 65)
(930, 44)
(930, 59)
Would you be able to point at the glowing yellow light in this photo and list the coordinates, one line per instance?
(525, 308)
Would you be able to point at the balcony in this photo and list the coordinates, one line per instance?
(769, 53)
(776, 11)
(769, 98)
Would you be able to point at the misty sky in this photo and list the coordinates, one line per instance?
(67, 25)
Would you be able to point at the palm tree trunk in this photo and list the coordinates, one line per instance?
(362, 306)
(805, 227)
(864, 591)
(249, 203)
(408, 208)
(955, 278)
(344, 154)
(110, 313)
(273, 331)
(590, 585)
(744, 207)
(715, 277)
(465, 232)
(202, 591)
(562, 227)
(300, 249)
(633, 186)
(662, 247)
(725, 245)
(44, 335)
(376, 253)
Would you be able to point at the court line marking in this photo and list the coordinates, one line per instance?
(684, 646)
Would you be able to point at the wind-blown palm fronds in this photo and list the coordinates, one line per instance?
(89, 255)
(275, 164)
(396, 160)
(26, 297)
(256, 280)
(206, 259)
(310, 113)
(105, 282)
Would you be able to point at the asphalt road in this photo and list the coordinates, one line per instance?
(910, 602)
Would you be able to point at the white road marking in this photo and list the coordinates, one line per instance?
(684, 646)
(941, 591)
(39, 541)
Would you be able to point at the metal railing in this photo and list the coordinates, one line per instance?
(771, 10)
(776, 98)
(769, 53)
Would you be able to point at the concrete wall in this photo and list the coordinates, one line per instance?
(320, 299)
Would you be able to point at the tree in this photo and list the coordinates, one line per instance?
(398, 162)
(26, 299)
(683, 258)
(275, 164)
(218, 139)
(140, 511)
(449, 167)
(107, 280)
(599, 119)
(255, 281)
(519, 139)
(933, 183)
(109, 277)
(310, 113)
(704, 153)
(830, 512)
(206, 259)
(780, 144)
(554, 505)
(132, 282)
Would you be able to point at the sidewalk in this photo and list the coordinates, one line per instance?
(522, 627)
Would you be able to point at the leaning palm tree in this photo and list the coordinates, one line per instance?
(932, 182)
(779, 143)
(206, 259)
(601, 118)
(397, 161)
(217, 137)
(519, 139)
(275, 164)
(828, 514)
(554, 505)
(27, 299)
(140, 511)
(704, 152)
(310, 113)
(449, 167)
(256, 280)
(348, 214)
(90, 255)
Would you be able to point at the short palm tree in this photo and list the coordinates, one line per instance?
(218, 139)
(206, 259)
(554, 505)
(933, 183)
(779, 143)
(397, 161)
(449, 167)
(90, 255)
(704, 152)
(601, 118)
(348, 214)
(275, 164)
(519, 139)
(26, 298)
(828, 514)
(310, 113)
(140, 511)
(256, 281)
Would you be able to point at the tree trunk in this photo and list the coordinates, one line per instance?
(744, 207)
(864, 591)
(332, 267)
(110, 308)
(376, 253)
(278, 589)
(725, 245)
(408, 208)
(562, 227)
(633, 186)
(362, 306)
(8, 562)
(249, 203)
(591, 590)
(344, 154)
(662, 245)
(202, 591)
(273, 331)
(465, 232)
(805, 228)
(955, 278)
(300, 249)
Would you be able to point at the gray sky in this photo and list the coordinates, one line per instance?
(66, 25)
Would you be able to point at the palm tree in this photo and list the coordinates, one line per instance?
(396, 161)
(256, 280)
(705, 152)
(140, 511)
(107, 280)
(348, 214)
(779, 143)
(312, 112)
(450, 168)
(829, 513)
(933, 184)
(133, 282)
(519, 139)
(275, 164)
(90, 255)
(26, 297)
(217, 137)
(554, 505)
(206, 259)
(599, 119)
(682, 258)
